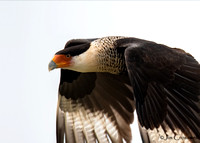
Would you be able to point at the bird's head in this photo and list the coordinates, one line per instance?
(75, 56)
(88, 55)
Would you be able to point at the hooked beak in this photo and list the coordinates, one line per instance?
(52, 65)
(59, 61)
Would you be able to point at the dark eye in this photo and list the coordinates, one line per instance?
(68, 55)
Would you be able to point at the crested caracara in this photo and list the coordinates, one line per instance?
(104, 80)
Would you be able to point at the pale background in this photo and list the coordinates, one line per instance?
(31, 32)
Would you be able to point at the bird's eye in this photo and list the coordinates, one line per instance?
(68, 55)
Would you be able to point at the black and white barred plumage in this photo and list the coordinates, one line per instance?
(106, 79)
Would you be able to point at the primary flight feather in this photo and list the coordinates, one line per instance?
(104, 80)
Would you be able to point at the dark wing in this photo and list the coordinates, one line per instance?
(94, 107)
(166, 85)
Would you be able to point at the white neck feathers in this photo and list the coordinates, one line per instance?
(85, 62)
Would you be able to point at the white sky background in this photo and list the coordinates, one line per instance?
(31, 32)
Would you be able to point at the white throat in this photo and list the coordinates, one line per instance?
(85, 62)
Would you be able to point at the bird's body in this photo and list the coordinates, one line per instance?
(104, 80)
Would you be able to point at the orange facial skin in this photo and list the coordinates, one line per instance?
(61, 61)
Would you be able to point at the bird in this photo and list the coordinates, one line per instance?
(105, 80)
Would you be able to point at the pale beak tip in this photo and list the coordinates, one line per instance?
(52, 65)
